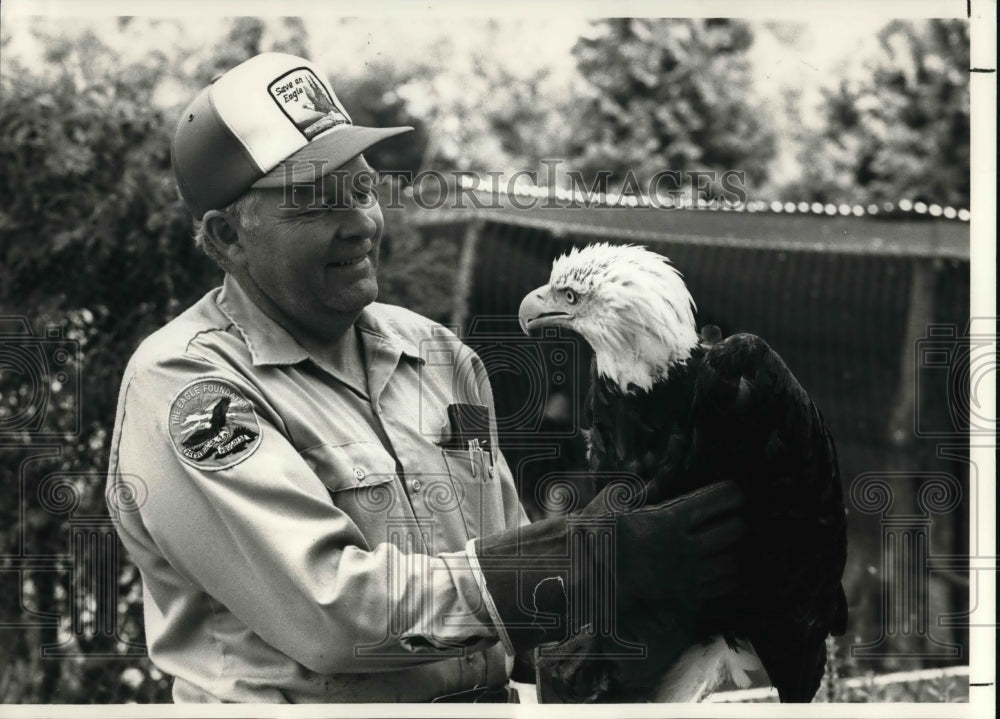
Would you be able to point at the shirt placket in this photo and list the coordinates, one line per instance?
(383, 358)
(412, 419)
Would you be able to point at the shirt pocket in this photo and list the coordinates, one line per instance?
(361, 478)
(478, 490)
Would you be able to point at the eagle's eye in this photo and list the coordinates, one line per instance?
(570, 296)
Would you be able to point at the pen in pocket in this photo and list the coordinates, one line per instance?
(473, 448)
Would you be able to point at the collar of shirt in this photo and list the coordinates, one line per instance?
(270, 344)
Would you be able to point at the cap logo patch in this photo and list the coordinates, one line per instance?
(212, 425)
(306, 102)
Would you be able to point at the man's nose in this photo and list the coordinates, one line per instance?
(357, 224)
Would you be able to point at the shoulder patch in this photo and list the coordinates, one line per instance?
(212, 425)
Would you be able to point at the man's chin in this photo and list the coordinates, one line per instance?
(356, 298)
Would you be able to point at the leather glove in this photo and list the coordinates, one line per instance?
(548, 580)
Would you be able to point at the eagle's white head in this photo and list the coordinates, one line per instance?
(628, 303)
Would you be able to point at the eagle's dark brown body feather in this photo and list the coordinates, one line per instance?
(734, 411)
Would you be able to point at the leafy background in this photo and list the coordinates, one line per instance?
(95, 242)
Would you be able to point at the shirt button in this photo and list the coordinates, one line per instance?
(415, 485)
(359, 473)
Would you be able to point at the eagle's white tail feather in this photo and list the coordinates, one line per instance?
(704, 667)
(739, 661)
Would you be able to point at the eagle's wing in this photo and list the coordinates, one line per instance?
(754, 423)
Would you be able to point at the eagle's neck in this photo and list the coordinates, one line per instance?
(635, 361)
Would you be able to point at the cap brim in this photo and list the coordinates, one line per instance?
(327, 153)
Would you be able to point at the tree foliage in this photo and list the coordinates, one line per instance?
(668, 94)
(902, 132)
(373, 100)
(484, 115)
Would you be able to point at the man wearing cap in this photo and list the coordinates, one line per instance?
(319, 509)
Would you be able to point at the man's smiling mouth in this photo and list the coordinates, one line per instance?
(352, 261)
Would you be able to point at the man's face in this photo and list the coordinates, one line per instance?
(315, 249)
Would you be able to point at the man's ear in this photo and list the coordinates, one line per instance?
(222, 240)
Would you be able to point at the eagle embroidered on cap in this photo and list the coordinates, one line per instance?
(307, 103)
(212, 425)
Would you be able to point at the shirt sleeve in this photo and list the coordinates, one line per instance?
(247, 520)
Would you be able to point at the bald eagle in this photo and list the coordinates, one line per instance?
(683, 410)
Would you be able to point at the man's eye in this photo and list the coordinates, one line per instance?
(322, 209)
(313, 212)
